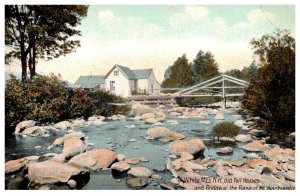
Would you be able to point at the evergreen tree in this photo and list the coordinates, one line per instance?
(204, 66)
(181, 74)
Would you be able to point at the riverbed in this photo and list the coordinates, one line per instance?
(127, 136)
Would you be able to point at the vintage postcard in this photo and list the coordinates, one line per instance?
(149, 97)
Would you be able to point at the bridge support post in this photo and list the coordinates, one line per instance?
(224, 103)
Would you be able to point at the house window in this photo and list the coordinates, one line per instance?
(112, 85)
(116, 72)
(152, 88)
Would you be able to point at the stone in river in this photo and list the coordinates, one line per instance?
(140, 172)
(74, 147)
(225, 151)
(121, 157)
(137, 182)
(219, 116)
(206, 122)
(24, 124)
(63, 125)
(255, 146)
(158, 132)
(151, 120)
(119, 168)
(167, 185)
(72, 183)
(15, 165)
(132, 160)
(60, 140)
(148, 115)
(290, 175)
(34, 131)
(193, 146)
(243, 138)
(48, 172)
(98, 158)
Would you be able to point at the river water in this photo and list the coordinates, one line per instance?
(115, 135)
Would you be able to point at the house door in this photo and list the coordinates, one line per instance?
(112, 86)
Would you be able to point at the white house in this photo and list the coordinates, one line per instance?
(123, 81)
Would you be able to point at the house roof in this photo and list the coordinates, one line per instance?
(90, 81)
(128, 72)
(132, 74)
(141, 73)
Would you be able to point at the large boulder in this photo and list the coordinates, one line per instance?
(163, 134)
(74, 146)
(158, 132)
(243, 138)
(60, 140)
(24, 124)
(151, 120)
(255, 146)
(148, 115)
(34, 131)
(140, 172)
(15, 165)
(138, 108)
(52, 172)
(98, 158)
(193, 146)
(63, 125)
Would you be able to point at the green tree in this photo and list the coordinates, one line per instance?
(204, 66)
(41, 32)
(181, 74)
(271, 94)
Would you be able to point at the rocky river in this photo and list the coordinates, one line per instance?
(158, 147)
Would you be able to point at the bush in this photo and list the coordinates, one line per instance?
(101, 100)
(80, 104)
(42, 99)
(48, 99)
(225, 129)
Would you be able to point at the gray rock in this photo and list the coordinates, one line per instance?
(137, 182)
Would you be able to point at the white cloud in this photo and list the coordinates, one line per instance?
(220, 26)
(106, 16)
(190, 14)
(259, 16)
(196, 11)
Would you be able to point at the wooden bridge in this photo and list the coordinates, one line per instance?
(220, 86)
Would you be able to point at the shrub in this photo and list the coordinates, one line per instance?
(80, 104)
(47, 99)
(225, 129)
(101, 100)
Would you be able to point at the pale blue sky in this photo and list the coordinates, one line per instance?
(140, 36)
